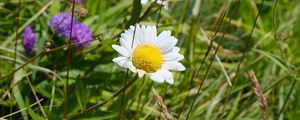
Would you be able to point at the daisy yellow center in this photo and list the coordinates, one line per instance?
(147, 58)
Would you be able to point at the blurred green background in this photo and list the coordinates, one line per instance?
(271, 51)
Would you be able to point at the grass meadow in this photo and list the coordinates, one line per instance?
(241, 60)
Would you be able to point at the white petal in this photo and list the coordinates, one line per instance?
(157, 76)
(173, 56)
(125, 43)
(165, 42)
(176, 49)
(123, 51)
(125, 40)
(141, 73)
(125, 63)
(150, 35)
(143, 35)
(173, 65)
(131, 67)
(152, 30)
(127, 37)
(138, 35)
(168, 76)
(121, 61)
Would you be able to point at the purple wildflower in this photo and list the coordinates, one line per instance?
(62, 23)
(28, 40)
(81, 35)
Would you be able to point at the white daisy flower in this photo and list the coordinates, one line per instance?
(160, 2)
(149, 53)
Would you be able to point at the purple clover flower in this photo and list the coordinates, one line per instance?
(81, 34)
(62, 23)
(28, 40)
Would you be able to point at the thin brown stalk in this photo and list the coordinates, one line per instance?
(242, 57)
(258, 92)
(197, 72)
(69, 60)
(17, 33)
(215, 53)
(162, 105)
(127, 72)
(250, 36)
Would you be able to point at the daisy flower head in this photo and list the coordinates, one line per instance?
(144, 52)
(28, 40)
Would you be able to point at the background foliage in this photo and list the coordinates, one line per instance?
(270, 50)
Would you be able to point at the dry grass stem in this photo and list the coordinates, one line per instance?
(260, 96)
(161, 104)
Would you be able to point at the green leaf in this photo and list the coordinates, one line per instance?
(19, 98)
(275, 59)
(82, 93)
(30, 111)
(137, 7)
